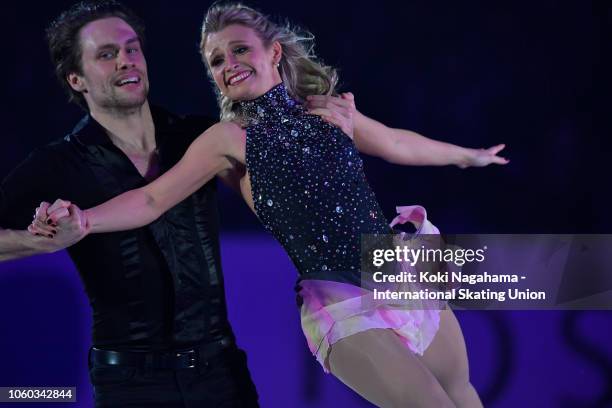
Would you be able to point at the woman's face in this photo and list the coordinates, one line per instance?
(242, 67)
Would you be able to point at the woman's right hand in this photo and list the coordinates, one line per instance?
(63, 221)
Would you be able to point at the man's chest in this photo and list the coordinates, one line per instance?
(147, 165)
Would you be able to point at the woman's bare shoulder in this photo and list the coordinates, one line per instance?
(223, 135)
(225, 128)
(225, 138)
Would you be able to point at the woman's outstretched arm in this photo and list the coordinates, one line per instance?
(209, 154)
(397, 146)
(405, 147)
(214, 151)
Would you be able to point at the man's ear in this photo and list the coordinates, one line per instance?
(76, 82)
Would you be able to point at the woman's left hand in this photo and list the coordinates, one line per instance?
(484, 157)
(337, 110)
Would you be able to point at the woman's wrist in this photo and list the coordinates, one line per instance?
(465, 157)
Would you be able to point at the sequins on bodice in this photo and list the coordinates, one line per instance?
(308, 187)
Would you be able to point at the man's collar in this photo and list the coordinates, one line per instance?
(89, 132)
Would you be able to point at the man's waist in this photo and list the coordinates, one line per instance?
(154, 335)
(175, 358)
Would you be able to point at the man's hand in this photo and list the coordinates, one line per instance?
(63, 222)
(337, 110)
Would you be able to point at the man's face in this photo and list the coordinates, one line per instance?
(114, 70)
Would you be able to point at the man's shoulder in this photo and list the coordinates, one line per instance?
(86, 132)
(53, 150)
(58, 149)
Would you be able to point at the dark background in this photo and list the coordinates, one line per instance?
(533, 75)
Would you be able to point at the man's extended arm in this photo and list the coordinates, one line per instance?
(20, 244)
(15, 244)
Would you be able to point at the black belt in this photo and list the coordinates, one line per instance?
(176, 359)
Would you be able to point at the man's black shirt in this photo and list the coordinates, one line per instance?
(152, 288)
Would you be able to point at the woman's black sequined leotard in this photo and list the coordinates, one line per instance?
(308, 187)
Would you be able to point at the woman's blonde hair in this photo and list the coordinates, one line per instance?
(302, 73)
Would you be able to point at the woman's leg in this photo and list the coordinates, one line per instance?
(446, 359)
(380, 368)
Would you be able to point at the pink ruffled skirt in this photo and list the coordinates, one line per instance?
(332, 310)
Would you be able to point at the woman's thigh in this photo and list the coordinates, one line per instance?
(378, 366)
(446, 357)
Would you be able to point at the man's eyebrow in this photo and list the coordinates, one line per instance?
(114, 45)
(106, 46)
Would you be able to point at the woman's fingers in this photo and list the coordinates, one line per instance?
(38, 227)
(493, 154)
(500, 160)
(36, 231)
(496, 149)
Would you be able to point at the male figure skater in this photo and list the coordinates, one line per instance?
(160, 330)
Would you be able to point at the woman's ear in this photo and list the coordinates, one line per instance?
(277, 52)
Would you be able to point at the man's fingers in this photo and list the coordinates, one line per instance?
(348, 96)
(72, 214)
(58, 204)
(335, 118)
(325, 101)
(329, 112)
(339, 123)
(320, 112)
(41, 211)
(324, 113)
(333, 121)
(57, 215)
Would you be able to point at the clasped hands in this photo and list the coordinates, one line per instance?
(63, 221)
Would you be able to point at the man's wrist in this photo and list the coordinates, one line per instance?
(36, 244)
(15, 244)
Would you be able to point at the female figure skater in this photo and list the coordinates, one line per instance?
(304, 180)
